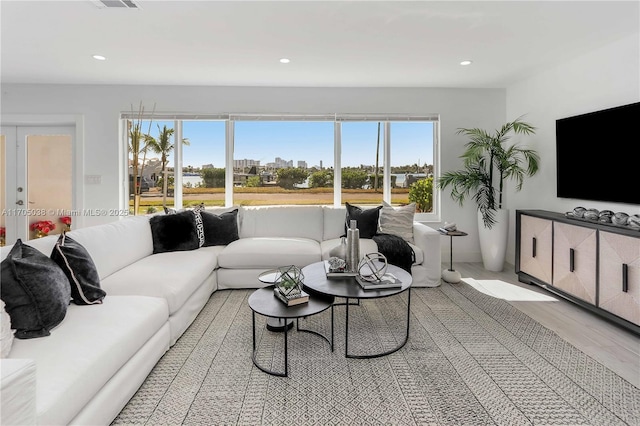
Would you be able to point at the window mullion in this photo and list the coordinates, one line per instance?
(177, 167)
(337, 164)
(229, 144)
(386, 174)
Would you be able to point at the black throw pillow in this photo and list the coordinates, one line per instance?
(220, 230)
(199, 226)
(35, 291)
(78, 266)
(174, 232)
(367, 220)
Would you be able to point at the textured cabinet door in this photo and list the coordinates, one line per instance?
(535, 247)
(574, 260)
(620, 275)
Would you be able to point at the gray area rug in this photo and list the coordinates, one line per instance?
(471, 359)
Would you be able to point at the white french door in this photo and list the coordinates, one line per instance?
(36, 178)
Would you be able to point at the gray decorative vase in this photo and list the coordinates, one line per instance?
(340, 250)
(353, 247)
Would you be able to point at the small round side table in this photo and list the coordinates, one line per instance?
(451, 275)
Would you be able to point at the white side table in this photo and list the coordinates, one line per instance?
(451, 275)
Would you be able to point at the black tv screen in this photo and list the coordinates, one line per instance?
(598, 155)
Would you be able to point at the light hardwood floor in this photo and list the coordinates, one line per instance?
(611, 345)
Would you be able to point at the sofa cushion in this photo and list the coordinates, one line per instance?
(44, 245)
(366, 218)
(397, 220)
(6, 333)
(35, 290)
(114, 245)
(173, 276)
(333, 222)
(86, 350)
(174, 232)
(220, 229)
(256, 253)
(78, 266)
(282, 221)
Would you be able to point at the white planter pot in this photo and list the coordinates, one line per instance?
(493, 242)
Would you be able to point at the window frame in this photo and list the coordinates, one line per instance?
(338, 119)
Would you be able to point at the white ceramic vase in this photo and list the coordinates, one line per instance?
(493, 242)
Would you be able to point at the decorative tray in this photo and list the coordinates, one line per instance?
(570, 215)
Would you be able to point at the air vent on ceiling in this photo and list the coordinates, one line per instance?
(116, 4)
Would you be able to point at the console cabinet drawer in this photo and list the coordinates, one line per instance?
(619, 278)
(574, 260)
(536, 247)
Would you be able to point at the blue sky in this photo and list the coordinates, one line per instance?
(412, 142)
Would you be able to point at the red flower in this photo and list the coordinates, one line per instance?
(44, 226)
(66, 220)
(3, 231)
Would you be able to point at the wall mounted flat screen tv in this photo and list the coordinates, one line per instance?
(598, 155)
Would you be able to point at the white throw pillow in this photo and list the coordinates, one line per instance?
(397, 220)
(6, 333)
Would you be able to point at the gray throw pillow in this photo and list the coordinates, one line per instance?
(397, 220)
(35, 290)
(78, 266)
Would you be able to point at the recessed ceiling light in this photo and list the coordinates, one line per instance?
(284, 61)
(99, 57)
(467, 62)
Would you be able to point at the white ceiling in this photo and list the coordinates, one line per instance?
(330, 43)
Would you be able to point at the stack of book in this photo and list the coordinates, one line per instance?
(341, 273)
(387, 281)
(291, 299)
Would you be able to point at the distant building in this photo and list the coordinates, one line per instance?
(207, 166)
(302, 164)
(280, 163)
(238, 164)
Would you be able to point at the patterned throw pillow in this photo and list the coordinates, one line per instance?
(199, 224)
(397, 220)
(78, 266)
(35, 290)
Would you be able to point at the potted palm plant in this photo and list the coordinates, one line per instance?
(488, 162)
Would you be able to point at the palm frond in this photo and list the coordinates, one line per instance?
(487, 155)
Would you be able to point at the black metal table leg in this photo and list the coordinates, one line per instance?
(390, 351)
(286, 353)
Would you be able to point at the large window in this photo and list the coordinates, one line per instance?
(203, 162)
(283, 162)
(275, 160)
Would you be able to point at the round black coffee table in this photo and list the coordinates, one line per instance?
(265, 303)
(316, 281)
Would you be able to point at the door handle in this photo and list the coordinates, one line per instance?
(625, 277)
(571, 260)
(19, 202)
(534, 246)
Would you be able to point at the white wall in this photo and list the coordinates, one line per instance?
(603, 78)
(100, 107)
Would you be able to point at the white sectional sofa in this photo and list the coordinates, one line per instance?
(99, 355)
